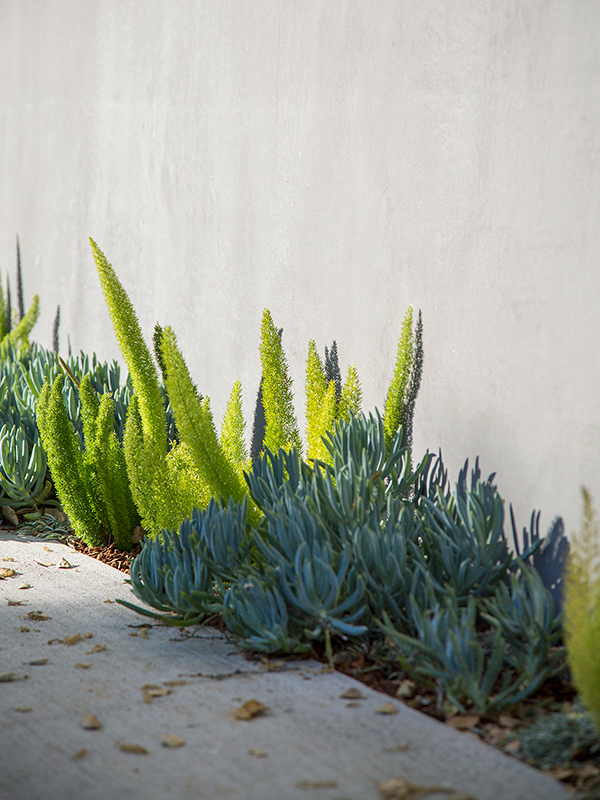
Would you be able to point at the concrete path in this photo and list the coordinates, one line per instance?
(76, 653)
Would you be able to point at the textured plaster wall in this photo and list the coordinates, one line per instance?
(335, 161)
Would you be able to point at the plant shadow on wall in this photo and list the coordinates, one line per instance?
(353, 553)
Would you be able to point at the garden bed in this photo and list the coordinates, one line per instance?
(581, 773)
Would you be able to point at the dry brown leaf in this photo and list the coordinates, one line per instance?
(406, 689)
(37, 615)
(72, 640)
(507, 721)
(138, 534)
(25, 586)
(257, 753)
(10, 515)
(251, 709)
(401, 789)
(133, 633)
(108, 600)
(271, 666)
(151, 691)
(387, 708)
(7, 559)
(352, 704)
(82, 666)
(170, 740)
(5, 572)
(51, 564)
(91, 722)
(144, 632)
(513, 747)
(352, 694)
(15, 602)
(5, 677)
(174, 683)
(462, 722)
(23, 709)
(398, 748)
(24, 629)
(64, 564)
(97, 648)
(39, 661)
(317, 784)
(47, 548)
(132, 748)
(80, 753)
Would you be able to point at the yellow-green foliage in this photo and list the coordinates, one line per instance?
(196, 426)
(233, 429)
(92, 483)
(19, 335)
(321, 405)
(166, 484)
(351, 397)
(582, 610)
(396, 396)
(281, 429)
(139, 359)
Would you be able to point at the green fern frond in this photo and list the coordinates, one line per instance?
(395, 400)
(321, 405)
(582, 610)
(137, 356)
(281, 425)
(316, 388)
(195, 424)
(414, 384)
(19, 335)
(233, 430)
(66, 462)
(351, 398)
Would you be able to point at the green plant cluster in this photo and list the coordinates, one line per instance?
(167, 455)
(24, 455)
(364, 548)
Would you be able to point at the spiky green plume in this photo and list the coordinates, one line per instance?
(403, 390)
(395, 398)
(91, 484)
(19, 335)
(321, 405)
(133, 347)
(281, 424)
(351, 397)
(196, 425)
(233, 430)
(582, 610)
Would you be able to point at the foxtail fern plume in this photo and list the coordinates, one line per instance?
(20, 304)
(281, 428)
(136, 354)
(321, 405)
(233, 429)
(414, 384)
(332, 369)
(196, 426)
(19, 335)
(403, 390)
(92, 483)
(351, 396)
(55, 329)
(582, 610)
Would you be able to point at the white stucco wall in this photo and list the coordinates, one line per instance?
(334, 161)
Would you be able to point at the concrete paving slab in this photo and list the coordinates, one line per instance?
(76, 652)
